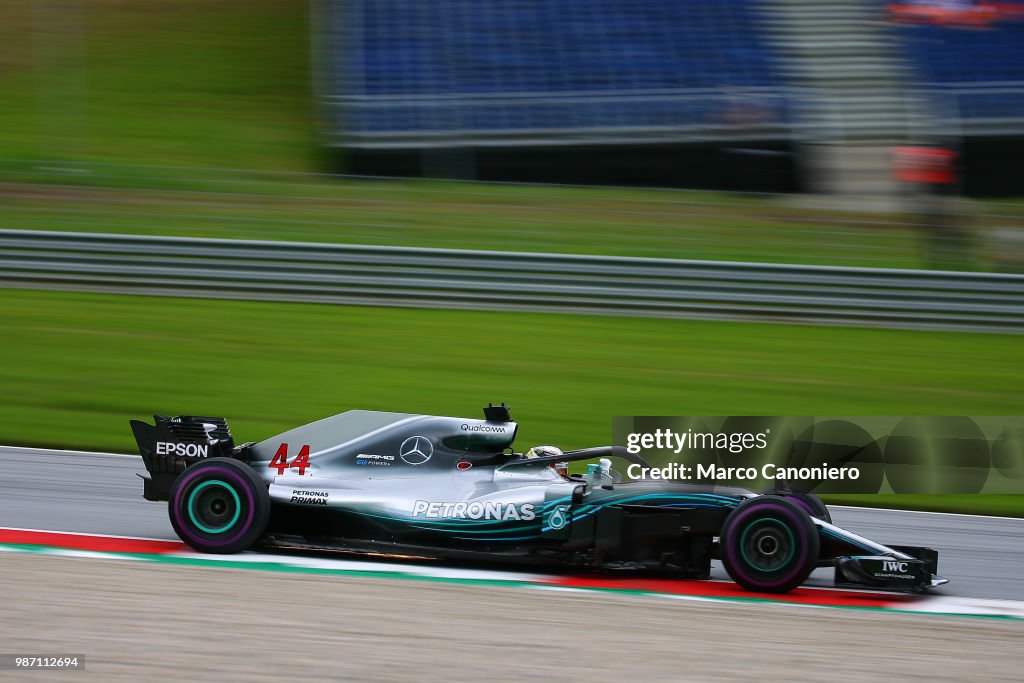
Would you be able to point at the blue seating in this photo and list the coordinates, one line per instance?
(980, 69)
(507, 65)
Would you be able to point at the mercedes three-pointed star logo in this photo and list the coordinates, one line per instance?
(416, 450)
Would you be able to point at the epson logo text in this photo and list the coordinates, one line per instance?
(188, 450)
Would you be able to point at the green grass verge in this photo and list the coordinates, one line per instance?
(193, 82)
(629, 222)
(77, 367)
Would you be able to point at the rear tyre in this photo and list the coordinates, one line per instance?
(219, 506)
(769, 544)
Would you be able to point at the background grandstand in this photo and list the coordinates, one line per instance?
(982, 68)
(822, 90)
(534, 72)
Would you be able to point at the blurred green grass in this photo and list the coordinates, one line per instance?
(77, 367)
(191, 82)
(633, 222)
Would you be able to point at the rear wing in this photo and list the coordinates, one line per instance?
(173, 443)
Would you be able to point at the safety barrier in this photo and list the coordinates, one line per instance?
(495, 280)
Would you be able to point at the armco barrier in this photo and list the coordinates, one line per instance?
(405, 276)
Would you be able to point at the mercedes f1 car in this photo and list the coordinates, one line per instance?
(446, 487)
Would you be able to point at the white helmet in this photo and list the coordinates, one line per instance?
(543, 451)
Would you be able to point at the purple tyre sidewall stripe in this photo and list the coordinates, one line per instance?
(241, 487)
(804, 504)
(799, 559)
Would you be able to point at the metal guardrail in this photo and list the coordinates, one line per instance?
(404, 276)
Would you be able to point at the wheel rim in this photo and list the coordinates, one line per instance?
(214, 506)
(767, 545)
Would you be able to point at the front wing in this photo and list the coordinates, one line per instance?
(859, 561)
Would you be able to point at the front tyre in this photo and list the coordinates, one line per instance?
(219, 506)
(814, 505)
(769, 544)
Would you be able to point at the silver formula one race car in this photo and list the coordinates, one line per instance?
(447, 487)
